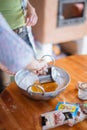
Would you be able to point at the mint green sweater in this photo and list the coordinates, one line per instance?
(11, 10)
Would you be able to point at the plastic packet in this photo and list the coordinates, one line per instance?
(55, 118)
(79, 111)
(73, 108)
(65, 113)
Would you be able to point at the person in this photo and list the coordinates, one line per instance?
(15, 54)
(19, 15)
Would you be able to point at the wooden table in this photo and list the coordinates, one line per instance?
(17, 112)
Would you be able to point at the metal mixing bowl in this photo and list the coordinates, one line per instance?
(25, 78)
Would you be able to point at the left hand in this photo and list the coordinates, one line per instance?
(31, 16)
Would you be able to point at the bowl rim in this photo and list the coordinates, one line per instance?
(57, 89)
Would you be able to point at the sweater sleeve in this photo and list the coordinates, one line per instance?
(15, 54)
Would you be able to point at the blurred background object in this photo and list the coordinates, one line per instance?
(60, 20)
(61, 29)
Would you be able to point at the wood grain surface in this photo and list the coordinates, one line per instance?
(18, 112)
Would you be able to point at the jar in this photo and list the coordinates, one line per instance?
(82, 90)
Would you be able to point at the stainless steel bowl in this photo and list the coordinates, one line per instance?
(25, 78)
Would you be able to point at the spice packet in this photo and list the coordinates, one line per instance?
(79, 111)
(65, 113)
(55, 118)
(73, 108)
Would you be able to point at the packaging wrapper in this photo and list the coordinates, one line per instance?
(55, 118)
(65, 113)
(79, 111)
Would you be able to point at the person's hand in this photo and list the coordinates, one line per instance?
(38, 67)
(5, 69)
(31, 16)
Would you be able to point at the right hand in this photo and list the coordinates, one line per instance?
(31, 16)
(38, 67)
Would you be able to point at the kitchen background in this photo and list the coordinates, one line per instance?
(61, 29)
